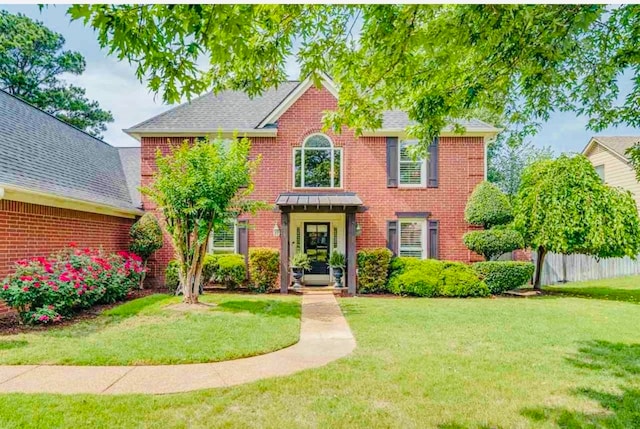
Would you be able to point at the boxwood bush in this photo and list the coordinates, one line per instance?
(492, 243)
(373, 270)
(501, 276)
(46, 289)
(172, 276)
(264, 267)
(230, 270)
(431, 278)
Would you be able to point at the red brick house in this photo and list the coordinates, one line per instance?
(60, 185)
(331, 190)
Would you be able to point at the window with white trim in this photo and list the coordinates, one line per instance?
(412, 172)
(223, 239)
(600, 170)
(412, 238)
(317, 164)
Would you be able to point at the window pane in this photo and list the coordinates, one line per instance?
(317, 168)
(411, 253)
(317, 141)
(337, 160)
(405, 152)
(411, 234)
(224, 237)
(411, 173)
(298, 168)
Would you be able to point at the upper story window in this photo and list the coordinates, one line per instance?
(600, 171)
(317, 164)
(412, 172)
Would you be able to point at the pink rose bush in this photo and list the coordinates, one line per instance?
(46, 289)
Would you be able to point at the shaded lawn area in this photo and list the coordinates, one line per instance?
(616, 289)
(144, 331)
(420, 363)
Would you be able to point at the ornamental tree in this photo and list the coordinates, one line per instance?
(146, 239)
(435, 61)
(195, 188)
(563, 207)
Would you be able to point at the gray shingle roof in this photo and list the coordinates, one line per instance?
(234, 110)
(618, 144)
(130, 159)
(42, 153)
(229, 110)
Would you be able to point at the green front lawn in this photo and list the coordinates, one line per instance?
(616, 289)
(420, 363)
(144, 331)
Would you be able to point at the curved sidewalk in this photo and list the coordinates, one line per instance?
(324, 337)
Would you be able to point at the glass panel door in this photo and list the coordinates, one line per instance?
(316, 246)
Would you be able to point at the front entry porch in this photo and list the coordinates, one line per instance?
(316, 224)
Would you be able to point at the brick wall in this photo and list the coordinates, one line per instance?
(461, 168)
(28, 230)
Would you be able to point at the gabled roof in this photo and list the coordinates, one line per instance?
(40, 153)
(617, 145)
(231, 111)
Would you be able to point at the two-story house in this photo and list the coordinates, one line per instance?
(608, 156)
(331, 191)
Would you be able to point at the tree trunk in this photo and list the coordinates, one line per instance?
(539, 264)
(144, 274)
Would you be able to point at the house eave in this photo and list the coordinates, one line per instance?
(594, 141)
(17, 193)
(248, 132)
(402, 132)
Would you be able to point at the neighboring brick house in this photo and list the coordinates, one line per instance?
(331, 190)
(60, 185)
(608, 156)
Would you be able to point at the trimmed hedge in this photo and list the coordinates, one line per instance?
(172, 276)
(431, 278)
(501, 276)
(488, 206)
(230, 270)
(492, 243)
(264, 267)
(373, 270)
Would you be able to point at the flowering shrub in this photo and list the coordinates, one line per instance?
(44, 290)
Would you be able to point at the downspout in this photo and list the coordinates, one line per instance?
(486, 161)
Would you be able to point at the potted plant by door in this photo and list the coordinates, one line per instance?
(299, 262)
(337, 262)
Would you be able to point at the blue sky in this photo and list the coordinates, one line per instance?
(114, 85)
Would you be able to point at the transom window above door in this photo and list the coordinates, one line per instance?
(317, 163)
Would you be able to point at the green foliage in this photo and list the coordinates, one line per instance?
(337, 259)
(209, 267)
(300, 260)
(436, 62)
(230, 271)
(563, 207)
(492, 243)
(634, 155)
(373, 269)
(264, 267)
(459, 280)
(501, 276)
(432, 278)
(507, 161)
(197, 187)
(146, 236)
(172, 276)
(32, 62)
(488, 206)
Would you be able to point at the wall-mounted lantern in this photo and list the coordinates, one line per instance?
(358, 230)
(276, 230)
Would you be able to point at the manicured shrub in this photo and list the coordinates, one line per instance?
(412, 276)
(209, 268)
(488, 206)
(231, 270)
(146, 238)
(460, 280)
(501, 276)
(172, 276)
(493, 242)
(373, 270)
(264, 267)
(44, 290)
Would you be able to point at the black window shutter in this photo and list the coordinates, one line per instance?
(432, 169)
(392, 162)
(392, 236)
(243, 241)
(433, 239)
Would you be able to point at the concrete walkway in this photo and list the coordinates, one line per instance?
(324, 337)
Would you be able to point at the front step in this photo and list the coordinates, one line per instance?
(319, 290)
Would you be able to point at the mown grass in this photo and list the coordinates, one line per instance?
(144, 331)
(420, 363)
(616, 289)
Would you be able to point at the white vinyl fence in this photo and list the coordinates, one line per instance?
(572, 268)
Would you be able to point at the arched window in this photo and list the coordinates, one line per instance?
(317, 164)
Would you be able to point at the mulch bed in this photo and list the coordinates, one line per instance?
(10, 323)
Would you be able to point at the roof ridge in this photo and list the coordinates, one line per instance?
(56, 118)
